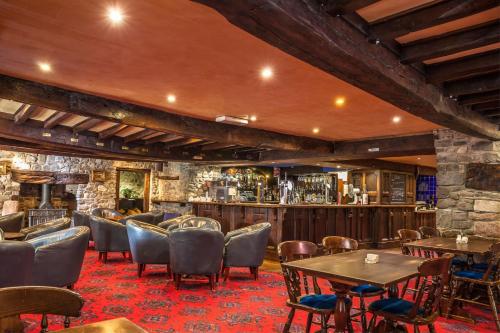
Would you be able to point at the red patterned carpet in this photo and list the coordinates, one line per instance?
(239, 305)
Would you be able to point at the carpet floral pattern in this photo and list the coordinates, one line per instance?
(239, 305)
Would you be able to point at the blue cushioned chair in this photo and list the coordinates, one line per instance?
(425, 309)
(337, 244)
(312, 301)
(489, 279)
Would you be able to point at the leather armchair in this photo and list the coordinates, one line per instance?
(59, 257)
(46, 228)
(197, 222)
(196, 251)
(81, 219)
(151, 218)
(148, 245)
(166, 224)
(109, 236)
(16, 260)
(12, 222)
(246, 247)
(105, 213)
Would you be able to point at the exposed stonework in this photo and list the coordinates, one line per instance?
(462, 209)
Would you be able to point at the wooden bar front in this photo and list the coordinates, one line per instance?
(372, 225)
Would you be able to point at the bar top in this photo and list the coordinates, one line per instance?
(269, 205)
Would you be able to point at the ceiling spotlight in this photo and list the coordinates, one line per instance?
(266, 73)
(44, 67)
(340, 101)
(418, 158)
(46, 134)
(253, 118)
(115, 15)
(74, 138)
(99, 144)
(396, 119)
(125, 148)
(339, 166)
(171, 98)
(315, 130)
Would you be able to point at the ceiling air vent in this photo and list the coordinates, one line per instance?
(239, 121)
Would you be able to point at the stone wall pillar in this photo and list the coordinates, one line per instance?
(463, 209)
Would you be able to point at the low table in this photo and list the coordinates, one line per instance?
(119, 325)
(348, 269)
(13, 235)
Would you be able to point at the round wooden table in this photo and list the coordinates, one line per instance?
(13, 235)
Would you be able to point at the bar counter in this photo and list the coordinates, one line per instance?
(374, 226)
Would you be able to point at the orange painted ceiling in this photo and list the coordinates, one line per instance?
(189, 50)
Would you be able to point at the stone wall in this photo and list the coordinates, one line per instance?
(462, 209)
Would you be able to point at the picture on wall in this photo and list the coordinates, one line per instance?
(98, 175)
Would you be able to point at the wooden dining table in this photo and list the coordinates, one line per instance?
(118, 325)
(344, 270)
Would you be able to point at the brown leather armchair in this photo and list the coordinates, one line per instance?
(81, 219)
(109, 236)
(17, 263)
(150, 217)
(59, 257)
(12, 222)
(106, 212)
(149, 244)
(46, 228)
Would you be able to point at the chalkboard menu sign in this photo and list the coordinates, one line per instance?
(398, 187)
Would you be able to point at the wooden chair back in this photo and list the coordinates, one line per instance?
(337, 244)
(294, 250)
(15, 301)
(493, 270)
(429, 232)
(406, 236)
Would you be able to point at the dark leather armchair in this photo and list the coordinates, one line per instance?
(148, 245)
(16, 260)
(12, 222)
(46, 228)
(59, 257)
(196, 251)
(196, 222)
(81, 219)
(151, 218)
(176, 220)
(105, 213)
(246, 247)
(109, 236)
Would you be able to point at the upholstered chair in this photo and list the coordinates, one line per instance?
(196, 251)
(150, 217)
(197, 222)
(59, 257)
(149, 244)
(246, 247)
(109, 236)
(81, 219)
(176, 220)
(46, 228)
(106, 213)
(16, 260)
(12, 222)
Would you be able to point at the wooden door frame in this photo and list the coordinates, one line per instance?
(147, 186)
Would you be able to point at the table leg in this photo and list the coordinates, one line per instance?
(341, 314)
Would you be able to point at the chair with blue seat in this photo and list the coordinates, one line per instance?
(406, 236)
(312, 301)
(489, 279)
(424, 310)
(338, 244)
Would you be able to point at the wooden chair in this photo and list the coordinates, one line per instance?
(489, 279)
(312, 303)
(338, 244)
(15, 301)
(406, 236)
(429, 232)
(425, 309)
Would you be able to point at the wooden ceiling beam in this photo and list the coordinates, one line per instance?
(303, 29)
(216, 146)
(107, 133)
(486, 106)
(24, 113)
(86, 125)
(160, 120)
(56, 119)
(183, 142)
(473, 85)
(464, 67)
(427, 16)
(341, 7)
(488, 96)
(491, 112)
(139, 135)
(446, 44)
(162, 138)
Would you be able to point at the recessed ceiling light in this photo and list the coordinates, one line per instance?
(418, 158)
(253, 118)
(45, 67)
(266, 73)
(315, 130)
(171, 98)
(396, 119)
(273, 162)
(338, 166)
(115, 15)
(340, 101)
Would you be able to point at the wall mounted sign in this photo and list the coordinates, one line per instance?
(98, 175)
(485, 177)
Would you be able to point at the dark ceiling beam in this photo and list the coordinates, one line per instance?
(491, 112)
(24, 113)
(430, 15)
(183, 142)
(486, 106)
(464, 67)
(145, 117)
(162, 138)
(303, 29)
(56, 119)
(451, 43)
(488, 96)
(341, 7)
(379, 164)
(139, 135)
(107, 133)
(216, 146)
(473, 85)
(86, 124)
